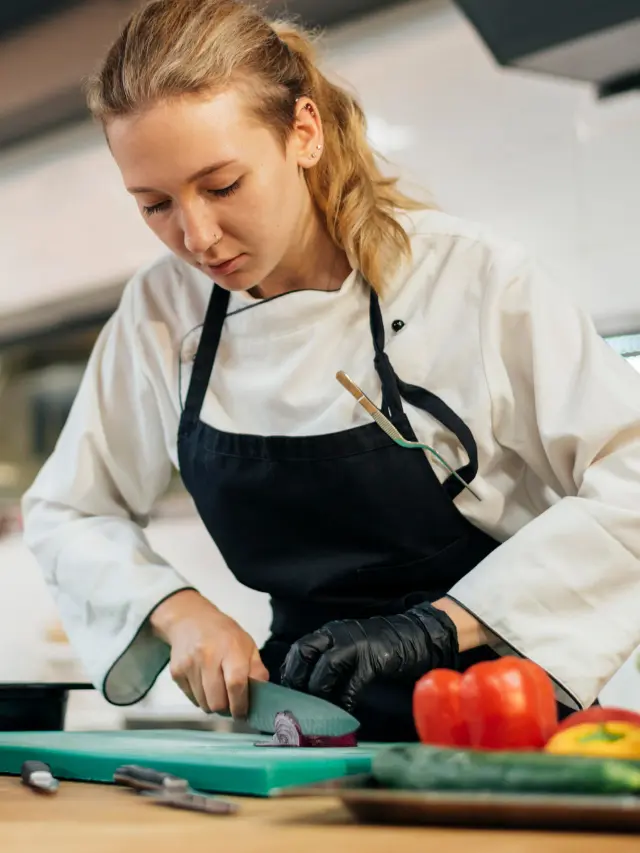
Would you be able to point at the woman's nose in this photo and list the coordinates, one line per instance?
(199, 233)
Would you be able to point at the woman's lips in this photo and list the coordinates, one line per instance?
(226, 267)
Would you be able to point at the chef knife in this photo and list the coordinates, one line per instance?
(316, 716)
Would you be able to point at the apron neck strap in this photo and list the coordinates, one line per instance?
(206, 354)
(391, 403)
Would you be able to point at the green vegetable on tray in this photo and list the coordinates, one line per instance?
(424, 768)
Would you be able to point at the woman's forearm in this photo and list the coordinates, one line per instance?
(471, 633)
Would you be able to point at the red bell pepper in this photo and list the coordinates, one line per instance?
(437, 711)
(504, 704)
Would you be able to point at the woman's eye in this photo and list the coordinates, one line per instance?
(227, 191)
(150, 209)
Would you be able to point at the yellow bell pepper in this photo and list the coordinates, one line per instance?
(604, 740)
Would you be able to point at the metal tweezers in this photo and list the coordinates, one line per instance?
(385, 424)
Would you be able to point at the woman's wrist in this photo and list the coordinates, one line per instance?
(471, 633)
(171, 610)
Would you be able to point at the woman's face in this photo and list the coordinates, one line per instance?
(216, 186)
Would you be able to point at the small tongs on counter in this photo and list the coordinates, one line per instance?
(385, 424)
(168, 790)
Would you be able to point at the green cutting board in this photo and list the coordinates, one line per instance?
(210, 761)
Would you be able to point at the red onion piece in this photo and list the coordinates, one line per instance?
(288, 732)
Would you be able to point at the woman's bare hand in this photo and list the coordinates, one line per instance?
(212, 657)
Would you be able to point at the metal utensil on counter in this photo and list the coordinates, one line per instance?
(394, 434)
(194, 802)
(147, 779)
(165, 789)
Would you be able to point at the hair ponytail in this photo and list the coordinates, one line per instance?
(173, 47)
(359, 203)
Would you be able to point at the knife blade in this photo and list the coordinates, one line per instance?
(316, 716)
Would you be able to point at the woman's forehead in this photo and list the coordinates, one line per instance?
(183, 136)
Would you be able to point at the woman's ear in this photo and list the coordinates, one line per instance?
(307, 134)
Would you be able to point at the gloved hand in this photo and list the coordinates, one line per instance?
(339, 659)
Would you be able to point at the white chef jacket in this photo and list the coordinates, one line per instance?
(554, 410)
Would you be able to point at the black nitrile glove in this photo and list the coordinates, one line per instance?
(339, 659)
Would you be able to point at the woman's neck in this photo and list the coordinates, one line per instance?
(313, 263)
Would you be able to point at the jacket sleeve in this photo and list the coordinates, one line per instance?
(563, 591)
(84, 515)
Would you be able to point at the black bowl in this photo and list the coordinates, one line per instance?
(35, 707)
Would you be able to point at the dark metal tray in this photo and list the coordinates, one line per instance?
(370, 803)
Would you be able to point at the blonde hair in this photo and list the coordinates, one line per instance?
(174, 47)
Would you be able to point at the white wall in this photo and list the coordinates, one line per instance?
(535, 157)
(66, 223)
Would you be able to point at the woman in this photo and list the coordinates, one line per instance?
(292, 258)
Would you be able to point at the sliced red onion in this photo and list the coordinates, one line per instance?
(288, 732)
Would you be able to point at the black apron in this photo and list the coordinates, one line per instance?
(334, 526)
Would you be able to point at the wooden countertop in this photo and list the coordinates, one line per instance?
(104, 819)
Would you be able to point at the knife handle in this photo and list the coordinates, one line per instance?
(146, 779)
(30, 767)
(38, 775)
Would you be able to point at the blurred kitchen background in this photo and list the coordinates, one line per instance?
(525, 115)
